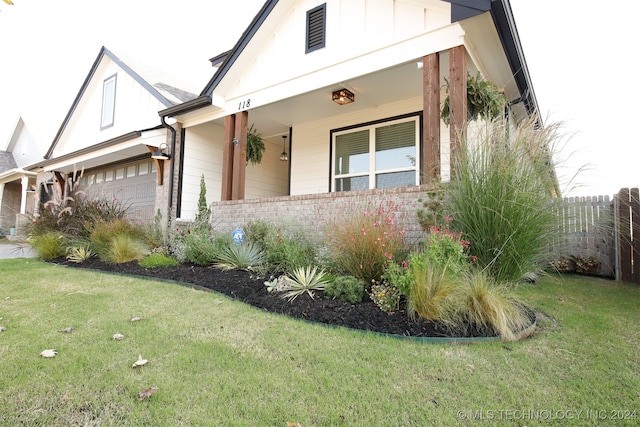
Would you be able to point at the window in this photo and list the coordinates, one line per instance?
(380, 155)
(316, 28)
(108, 102)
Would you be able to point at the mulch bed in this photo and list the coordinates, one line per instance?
(246, 287)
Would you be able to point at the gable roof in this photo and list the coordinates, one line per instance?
(156, 83)
(501, 14)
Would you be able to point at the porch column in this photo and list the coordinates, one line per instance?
(239, 156)
(431, 119)
(457, 100)
(23, 195)
(234, 156)
(227, 156)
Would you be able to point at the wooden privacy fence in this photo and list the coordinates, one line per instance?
(601, 229)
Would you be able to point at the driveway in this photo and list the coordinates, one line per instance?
(16, 250)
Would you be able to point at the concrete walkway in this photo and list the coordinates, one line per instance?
(16, 250)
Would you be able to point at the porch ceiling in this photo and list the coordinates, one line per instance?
(370, 91)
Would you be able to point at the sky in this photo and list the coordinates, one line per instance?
(579, 54)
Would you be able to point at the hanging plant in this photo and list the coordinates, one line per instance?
(255, 146)
(484, 99)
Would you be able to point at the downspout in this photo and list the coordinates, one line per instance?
(172, 166)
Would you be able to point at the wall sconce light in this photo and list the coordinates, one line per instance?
(161, 154)
(283, 156)
(343, 96)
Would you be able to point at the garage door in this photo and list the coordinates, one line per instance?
(133, 183)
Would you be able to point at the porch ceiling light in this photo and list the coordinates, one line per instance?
(343, 96)
(161, 154)
(283, 156)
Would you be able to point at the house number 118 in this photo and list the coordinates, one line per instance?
(243, 105)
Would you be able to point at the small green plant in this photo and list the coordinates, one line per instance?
(304, 280)
(385, 296)
(202, 220)
(399, 276)
(79, 254)
(484, 99)
(124, 248)
(103, 233)
(255, 146)
(445, 247)
(49, 245)
(364, 242)
(196, 249)
(346, 288)
(284, 251)
(158, 260)
(247, 256)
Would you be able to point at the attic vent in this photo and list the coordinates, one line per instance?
(316, 25)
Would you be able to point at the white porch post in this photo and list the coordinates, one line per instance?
(23, 196)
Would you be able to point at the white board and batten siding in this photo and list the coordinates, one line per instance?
(135, 108)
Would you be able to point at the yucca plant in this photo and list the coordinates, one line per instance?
(247, 256)
(304, 280)
(491, 307)
(79, 254)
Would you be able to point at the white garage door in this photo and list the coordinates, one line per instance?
(134, 184)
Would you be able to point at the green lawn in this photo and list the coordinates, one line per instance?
(220, 362)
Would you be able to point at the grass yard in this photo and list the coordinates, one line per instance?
(220, 362)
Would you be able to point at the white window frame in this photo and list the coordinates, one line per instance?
(108, 102)
(372, 173)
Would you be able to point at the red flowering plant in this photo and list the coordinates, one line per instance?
(447, 247)
(363, 243)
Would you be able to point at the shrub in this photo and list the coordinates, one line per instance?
(500, 195)
(158, 260)
(48, 245)
(385, 296)
(202, 220)
(445, 247)
(432, 288)
(246, 256)
(124, 248)
(363, 243)
(399, 276)
(491, 307)
(284, 252)
(346, 288)
(304, 280)
(75, 215)
(103, 234)
(196, 249)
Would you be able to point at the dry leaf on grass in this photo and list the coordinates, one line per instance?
(2, 329)
(136, 319)
(118, 337)
(139, 362)
(49, 353)
(293, 424)
(147, 392)
(67, 330)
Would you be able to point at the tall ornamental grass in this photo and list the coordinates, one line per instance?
(501, 194)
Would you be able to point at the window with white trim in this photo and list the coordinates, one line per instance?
(380, 155)
(108, 102)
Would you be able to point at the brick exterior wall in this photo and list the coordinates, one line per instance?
(310, 213)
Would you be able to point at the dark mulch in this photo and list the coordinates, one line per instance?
(244, 286)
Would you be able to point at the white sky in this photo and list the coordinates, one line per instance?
(579, 54)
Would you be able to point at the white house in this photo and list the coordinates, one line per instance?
(351, 90)
(105, 142)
